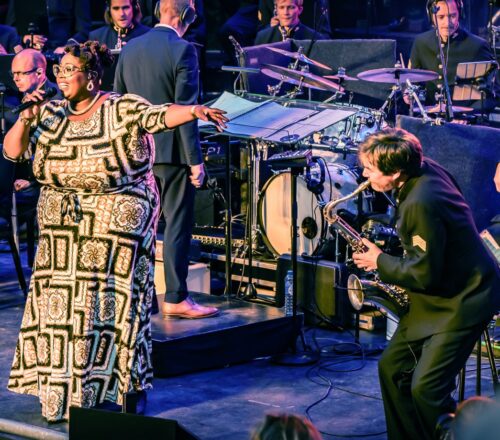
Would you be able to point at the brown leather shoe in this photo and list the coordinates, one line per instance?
(187, 309)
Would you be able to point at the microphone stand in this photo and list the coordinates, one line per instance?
(444, 69)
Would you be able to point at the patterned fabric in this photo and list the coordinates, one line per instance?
(85, 335)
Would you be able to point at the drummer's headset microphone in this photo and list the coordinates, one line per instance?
(187, 15)
(431, 9)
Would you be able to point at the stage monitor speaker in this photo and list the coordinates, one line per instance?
(320, 288)
(86, 423)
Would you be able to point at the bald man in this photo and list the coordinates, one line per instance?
(29, 70)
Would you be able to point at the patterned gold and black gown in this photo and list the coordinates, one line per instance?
(85, 335)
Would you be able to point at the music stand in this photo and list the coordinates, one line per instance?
(472, 81)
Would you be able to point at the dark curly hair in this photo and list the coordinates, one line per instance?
(393, 150)
(93, 55)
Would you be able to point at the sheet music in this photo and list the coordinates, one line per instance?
(271, 121)
(233, 105)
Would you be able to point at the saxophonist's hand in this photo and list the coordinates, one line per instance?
(367, 260)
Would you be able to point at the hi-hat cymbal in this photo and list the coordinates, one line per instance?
(299, 56)
(441, 108)
(395, 75)
(297, 77)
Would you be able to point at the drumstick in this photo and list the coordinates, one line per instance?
(402, 60)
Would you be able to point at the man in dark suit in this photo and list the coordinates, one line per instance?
(452, 281)
(162, 67)
(287, 25)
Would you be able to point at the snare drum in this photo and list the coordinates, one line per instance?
(274, 209)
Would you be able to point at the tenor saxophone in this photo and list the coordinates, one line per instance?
(372, 290)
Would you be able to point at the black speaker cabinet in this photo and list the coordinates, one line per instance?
(320, 289)
(86, 423)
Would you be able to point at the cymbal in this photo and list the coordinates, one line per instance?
(299, 56)
(390, 75)
(297, 77)
(441, 108)
(339, 77)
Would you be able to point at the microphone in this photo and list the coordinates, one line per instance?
(435, 9)
(49, 93)
(236, 45)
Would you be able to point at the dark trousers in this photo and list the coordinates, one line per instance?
(417, 378)
(177, 202)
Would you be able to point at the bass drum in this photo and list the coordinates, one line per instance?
(274, 209)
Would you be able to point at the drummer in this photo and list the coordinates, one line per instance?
(459, 46)
(286, 24)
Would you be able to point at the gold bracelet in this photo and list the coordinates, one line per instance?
(27, 122)
(192, 111)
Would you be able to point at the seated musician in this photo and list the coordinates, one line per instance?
(123, 18)
(287, 13)
(459, 46)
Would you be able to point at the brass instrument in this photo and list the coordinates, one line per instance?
(389, 297)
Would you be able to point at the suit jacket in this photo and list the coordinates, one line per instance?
(9, 38)
(162, 67)
(272, 34)
(452, 280)
(108, 36)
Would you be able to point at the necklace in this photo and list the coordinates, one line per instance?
(86, 109)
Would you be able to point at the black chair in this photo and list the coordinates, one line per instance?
(25, 214)
(493, 368)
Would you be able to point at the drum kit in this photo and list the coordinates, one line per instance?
(329, 178)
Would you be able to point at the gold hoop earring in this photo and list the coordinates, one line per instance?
(90, 86)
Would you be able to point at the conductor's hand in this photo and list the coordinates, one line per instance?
(211, 115)
(367, 260)
(197, 175)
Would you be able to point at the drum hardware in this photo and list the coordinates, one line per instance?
(299, 56)
(274, 210)
(301, 78)
(255, 148)
(341, 76)
(413, 94)
(240, 78)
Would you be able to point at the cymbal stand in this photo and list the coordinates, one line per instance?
(274, 90)
(412, 94)
(393, 96)
(295, 358)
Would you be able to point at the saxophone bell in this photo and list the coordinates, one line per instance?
(391, 299)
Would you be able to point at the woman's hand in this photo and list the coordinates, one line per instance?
(367, 260)
(211, 115)
(38, 97)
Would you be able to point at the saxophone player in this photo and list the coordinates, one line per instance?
(452, 281)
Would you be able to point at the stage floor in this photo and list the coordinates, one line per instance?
(227, 403)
